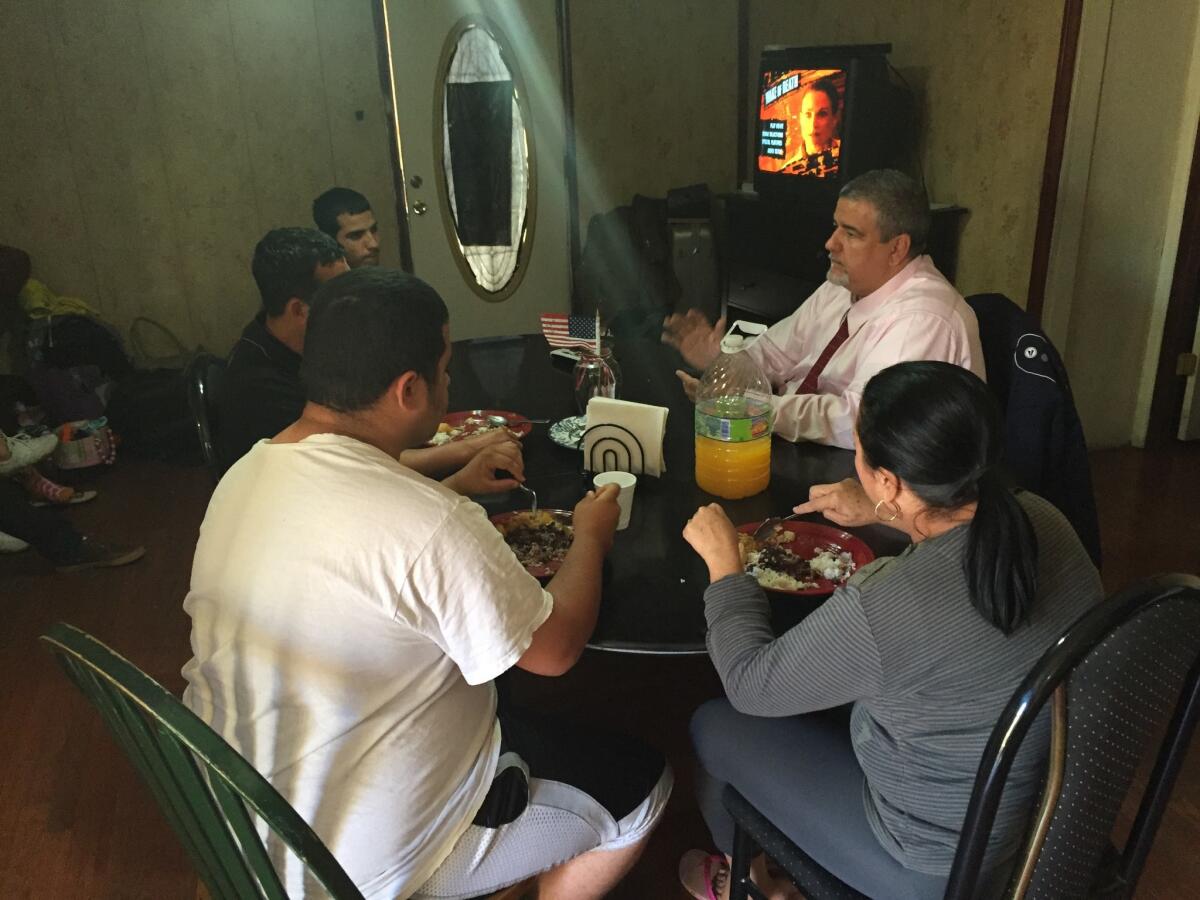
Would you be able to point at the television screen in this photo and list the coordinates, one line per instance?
(800, 116)
(826, 115)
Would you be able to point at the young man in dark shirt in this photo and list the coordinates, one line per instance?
(261, 393)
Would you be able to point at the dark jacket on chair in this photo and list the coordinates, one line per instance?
(1044, 444)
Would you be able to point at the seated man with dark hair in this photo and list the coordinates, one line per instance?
(349, 617)
(261, 393)
(345, 215)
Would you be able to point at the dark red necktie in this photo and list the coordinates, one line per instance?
(809, 384)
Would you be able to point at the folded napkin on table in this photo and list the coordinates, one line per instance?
(645, 422)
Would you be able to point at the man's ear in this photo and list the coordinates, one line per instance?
(296, 308)
(409, 392)
(901, 245)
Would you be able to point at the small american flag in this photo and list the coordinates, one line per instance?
(562, 330)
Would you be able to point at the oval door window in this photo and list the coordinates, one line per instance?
(486, 168)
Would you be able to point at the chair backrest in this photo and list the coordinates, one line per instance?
(1128, 665)
(204, 381)
(1044, 445)
(201, 783)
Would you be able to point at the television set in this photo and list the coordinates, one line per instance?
(826, 114)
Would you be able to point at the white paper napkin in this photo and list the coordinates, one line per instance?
(645, 422)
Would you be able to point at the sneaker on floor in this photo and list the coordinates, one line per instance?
(93, 555)
(25, 450)
(73, 499)
(10, 544)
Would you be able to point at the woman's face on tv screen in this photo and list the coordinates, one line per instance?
(818, 124)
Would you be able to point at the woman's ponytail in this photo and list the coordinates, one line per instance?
(1001, 561)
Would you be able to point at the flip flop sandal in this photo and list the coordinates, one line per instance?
(698, 870)
(75, 499)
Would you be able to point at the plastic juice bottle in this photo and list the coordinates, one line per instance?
(733, 425)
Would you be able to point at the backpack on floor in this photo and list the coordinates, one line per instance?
(149, 412)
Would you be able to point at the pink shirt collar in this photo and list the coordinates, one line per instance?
(867, 306)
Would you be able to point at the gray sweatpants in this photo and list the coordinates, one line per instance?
(801, 773)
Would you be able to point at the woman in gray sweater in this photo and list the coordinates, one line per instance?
(927, 647)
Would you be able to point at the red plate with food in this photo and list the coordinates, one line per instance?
(539, 539)
(802, 558)
(459, 425)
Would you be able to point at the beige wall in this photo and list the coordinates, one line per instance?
(148, 145)
(655, 88)
(983, 73)
(1145, 131)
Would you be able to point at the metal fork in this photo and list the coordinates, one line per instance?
(532, 497)
(768, 525)
(503, 421)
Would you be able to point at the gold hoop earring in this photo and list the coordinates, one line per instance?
(895, 515)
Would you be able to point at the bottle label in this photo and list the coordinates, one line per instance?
(747, 428)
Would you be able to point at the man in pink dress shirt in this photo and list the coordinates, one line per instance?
(883, 302)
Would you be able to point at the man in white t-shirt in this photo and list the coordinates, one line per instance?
(349, 616)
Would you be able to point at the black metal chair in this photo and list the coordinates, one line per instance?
(1114, 678)
(203, 377)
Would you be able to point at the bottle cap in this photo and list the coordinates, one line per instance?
(732, 343)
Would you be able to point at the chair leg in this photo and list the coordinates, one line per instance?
(744, 850)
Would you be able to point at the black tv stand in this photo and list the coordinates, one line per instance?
(773, 251)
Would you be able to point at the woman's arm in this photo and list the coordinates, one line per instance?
(828, 659)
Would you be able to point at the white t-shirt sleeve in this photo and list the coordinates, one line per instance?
(475, 600)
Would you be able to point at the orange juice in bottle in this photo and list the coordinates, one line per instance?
(733, 425)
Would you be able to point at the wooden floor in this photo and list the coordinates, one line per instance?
(75, 822)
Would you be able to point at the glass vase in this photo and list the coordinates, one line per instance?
(596, 375)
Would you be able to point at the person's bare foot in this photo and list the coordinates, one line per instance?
(705, 875)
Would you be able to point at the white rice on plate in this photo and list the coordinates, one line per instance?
(831, 563)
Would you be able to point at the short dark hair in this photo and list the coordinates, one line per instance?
(285, 263)
(901, 206)
(830, 90)
(938, 427)
(366, 328)
(333, 203)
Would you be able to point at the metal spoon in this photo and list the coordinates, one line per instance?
(768, 525)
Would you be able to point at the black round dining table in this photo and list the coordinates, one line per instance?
(653, 582)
